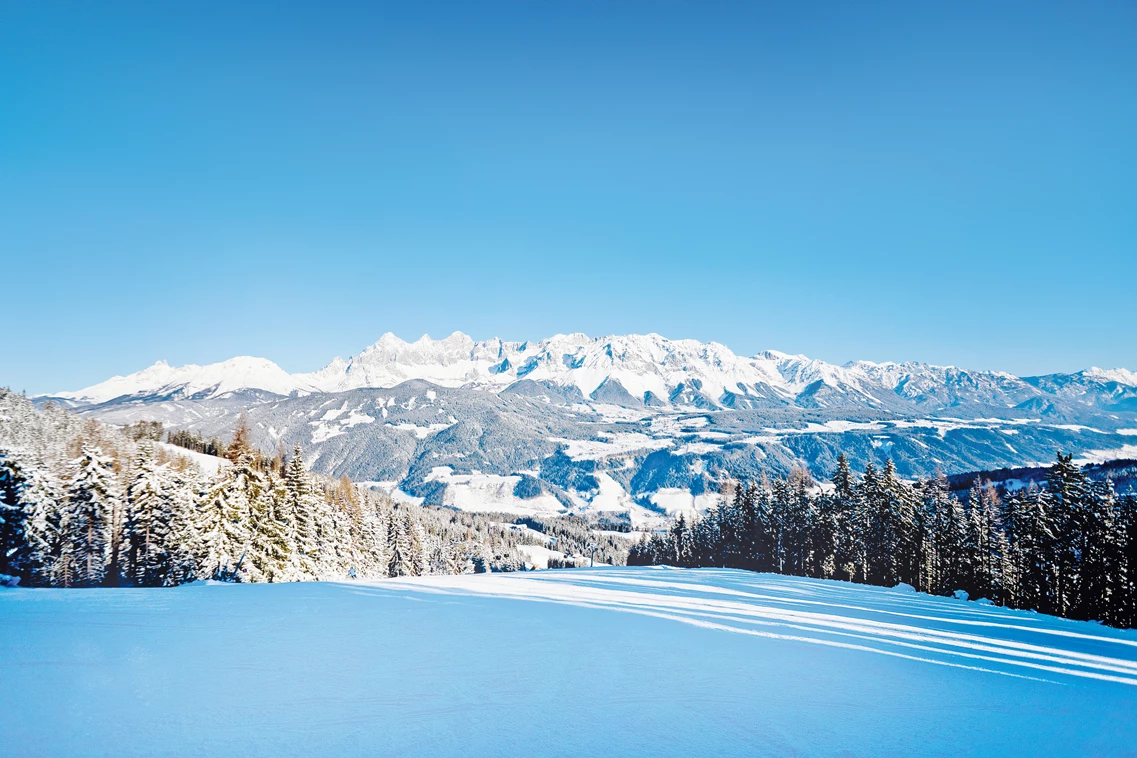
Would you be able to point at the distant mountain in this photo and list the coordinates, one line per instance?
(637, 424)
(163, 380)
(634, 370)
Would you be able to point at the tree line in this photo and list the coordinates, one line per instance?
(1067, 548)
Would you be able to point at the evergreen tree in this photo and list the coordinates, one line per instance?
(1067, 499)
(935, 518)
(680, 548)
(845, 510)
(221, 526)
(865, 524)
(1126, 529)
(405, 547)
(270, 548)
(302, 515)
(15, 558)
(147, 529)
(1030, 537)
(41, 498)
(190, 489)
(92, 499)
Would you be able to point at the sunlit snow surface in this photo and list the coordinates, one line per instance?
(648, 661)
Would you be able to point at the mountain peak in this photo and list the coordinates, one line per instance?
(1119, 375)
(645, 365)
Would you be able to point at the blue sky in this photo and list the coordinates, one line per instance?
(953, 183)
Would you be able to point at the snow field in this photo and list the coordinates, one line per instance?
(615, 661)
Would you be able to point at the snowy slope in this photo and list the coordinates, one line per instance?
(630, 662)
(209, 464)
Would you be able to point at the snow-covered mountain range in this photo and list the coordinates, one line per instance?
(633, 370)
(638, 424)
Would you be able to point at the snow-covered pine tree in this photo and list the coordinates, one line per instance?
(220, 524)
(1126, 529)
(1067, 492)
(302, 512)
(404, 547)
(927, 563)
(846, 511)
(1100, 555)
(419, 547)
(779, 524)
(1030, 542)
(737, 549)
(373, 543)
(808, 539)
(344, 548)
(189, 489)
(997, 556)
(92, 500)
(975, 545)
(949, 534)
(899, 512)
(679, 550)
(15, 558)
(758, 499)
(147, 534)
(42, 497)
(874, 498)
(985, 548)
(270, 549)
(823, 536)
(863, 533)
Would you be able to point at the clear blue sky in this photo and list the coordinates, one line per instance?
(946, 182)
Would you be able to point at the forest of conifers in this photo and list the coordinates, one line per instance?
(83, 504)
(1068, 548)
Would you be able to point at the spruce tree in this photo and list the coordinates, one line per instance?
(190, 488)
(92, 498)
(270, 549)
(302, 511)
(221, 525)
(149, 517)
(41, 498)
(1031, 542)
(845, 511)
(1126, 529)
(15, 558)
(1066, 497)
(404, 548)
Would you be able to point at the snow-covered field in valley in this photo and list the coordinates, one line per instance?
(611, 661)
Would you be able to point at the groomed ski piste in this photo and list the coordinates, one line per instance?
(589, 662)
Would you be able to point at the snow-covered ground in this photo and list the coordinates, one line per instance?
(538, 556)
(637, 661)
(209, 464)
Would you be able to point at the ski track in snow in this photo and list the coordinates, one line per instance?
(767, 611)
(611, 661)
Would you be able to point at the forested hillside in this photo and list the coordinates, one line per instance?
(84, 504)
(1067, 548)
